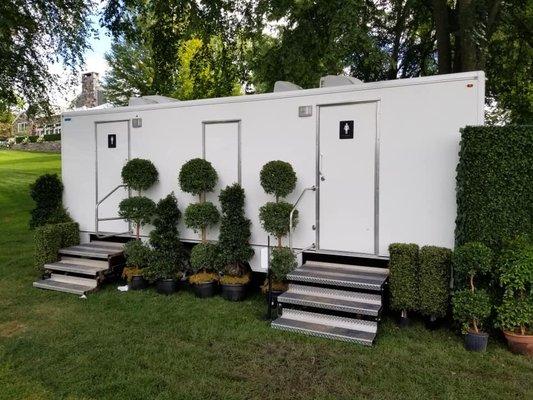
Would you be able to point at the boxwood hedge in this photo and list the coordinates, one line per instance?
(50, 238)
(435, 267)
(494, 184)
(403, 266)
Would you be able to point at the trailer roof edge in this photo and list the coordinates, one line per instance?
(476, 75)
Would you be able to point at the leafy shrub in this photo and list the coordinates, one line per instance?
(139, 174)
(278, 178)
(204, 257)
(282, 262)
(494, 184)
(471, 309)
(274, 218)
(403, 278)
(471, 259)
(234, 237)
(199, 216)
(167, 260)
(49, 239)
(47, 192)
(53, 137)
(137, 254)
(434, 277)
(516, 277)
(138, 210)
(197, 176)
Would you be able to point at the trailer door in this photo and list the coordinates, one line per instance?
(347, 177)
(221, 141)
(112, 153)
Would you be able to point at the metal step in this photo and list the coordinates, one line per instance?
(76, 267)
(66, 287)
(93, 250)
(331, 327)
(332, 299)
(342, 275)
(75, 280)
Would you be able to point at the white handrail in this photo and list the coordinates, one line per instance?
(311, 188)
(97, 219)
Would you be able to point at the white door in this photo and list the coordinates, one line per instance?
(347, 151)
(112, 153)
(222, 150)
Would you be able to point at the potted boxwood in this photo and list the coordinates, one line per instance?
(434, 288)
(515, 314)
(279, 179)
(167, 262)
(471, 306)
(233, 243)
(198, 177)
(137, 259)
(403, 279)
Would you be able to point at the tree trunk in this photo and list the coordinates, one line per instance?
(468, 51)
(442, 28)
(138, 231)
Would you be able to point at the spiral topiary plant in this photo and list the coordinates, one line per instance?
(233, 240)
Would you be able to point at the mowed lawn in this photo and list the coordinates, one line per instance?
(141, 345)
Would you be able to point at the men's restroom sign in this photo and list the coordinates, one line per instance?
(111, 141)
(346, 129)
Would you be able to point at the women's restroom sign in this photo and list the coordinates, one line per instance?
(346, 129)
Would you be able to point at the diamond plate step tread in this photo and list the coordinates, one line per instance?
(299, 275)
(344, 272)
(50, 284)
(339, 328)
(348, 268)
(331, 299)
(81, 269)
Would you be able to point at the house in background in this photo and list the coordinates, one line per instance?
(91, 96)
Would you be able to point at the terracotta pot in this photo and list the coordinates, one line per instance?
(520, 344)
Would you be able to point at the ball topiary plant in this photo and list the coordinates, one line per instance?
(137, 210)
(282, 262)
(278, 178)
(274, 218)
(200, 216)
(197, 176)
(139, 174)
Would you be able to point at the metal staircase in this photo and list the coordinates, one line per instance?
(333, 300)
(82, 268)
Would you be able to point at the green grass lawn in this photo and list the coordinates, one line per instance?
(141, 345)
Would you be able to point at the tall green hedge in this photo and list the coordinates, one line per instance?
(50, 238)
(403, 279)
(494, 184)
(435, 268)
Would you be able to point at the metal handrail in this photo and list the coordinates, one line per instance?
(97, 219)
(312, 188)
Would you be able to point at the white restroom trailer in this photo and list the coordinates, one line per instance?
(381, 155)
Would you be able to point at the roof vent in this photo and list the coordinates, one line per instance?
(284, 86)
(154, 99)
(338, 80)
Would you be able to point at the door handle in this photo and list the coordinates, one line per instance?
(320, 167)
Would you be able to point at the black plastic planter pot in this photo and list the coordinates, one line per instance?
(233, 292)
(404, 322)
(137, 283)
(206, 289)
(476, 341)
(166, 286)
(432, 323)
(275, 295)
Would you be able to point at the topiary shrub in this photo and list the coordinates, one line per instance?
(403, 277)
(200, 216)
(278, 178)
(168, 259)
(197, 176)
(470, 307)
(137, 210)
(49, 239)
(138, 256)
(515, 267)
(204, 263)
(434, 279)
(139, 174)
(234, 237)
(47, 192)
(282, 262)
